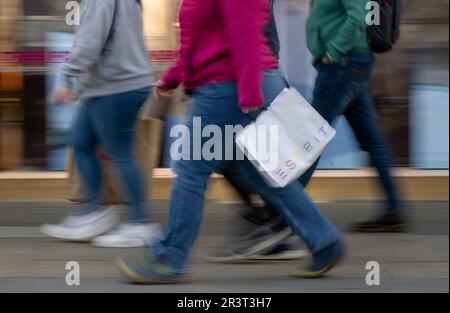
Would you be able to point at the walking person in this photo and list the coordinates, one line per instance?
(223, 56)
(337, 38)
(110, 64)
(339, 43)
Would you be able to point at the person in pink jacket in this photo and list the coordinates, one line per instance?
(225, 63)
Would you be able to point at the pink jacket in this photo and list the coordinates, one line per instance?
(224, 40)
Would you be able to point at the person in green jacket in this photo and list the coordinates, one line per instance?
(336, 28)
(337, 38)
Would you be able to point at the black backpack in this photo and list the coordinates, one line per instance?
(383, 37)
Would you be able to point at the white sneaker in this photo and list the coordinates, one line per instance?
(129, 236)
(84, 227)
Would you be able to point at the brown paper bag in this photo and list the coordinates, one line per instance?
(149, 136)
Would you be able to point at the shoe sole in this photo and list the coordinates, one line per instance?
(106, 246)
(117, 245)
(258, 249)
(322, 272)
(285, 256)
(139, 241)
(56, 235)
(138, 279)
(227, 259)
(402, 228)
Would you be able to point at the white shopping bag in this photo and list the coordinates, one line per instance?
(286, 140)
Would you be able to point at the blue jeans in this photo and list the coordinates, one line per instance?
(274, 83)
(343, 89)
(110, 121)
(217, 104)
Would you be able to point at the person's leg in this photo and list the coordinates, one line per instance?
(214, 106)
(84, 143)
(298, 209)
(186, 212)
(260, 233)
(363, 119)
(331, 97)
(320, 235)
(114, 119)
(89, 219)
(256, 210)
(242, 186)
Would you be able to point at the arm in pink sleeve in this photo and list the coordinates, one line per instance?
(175, 75)
(243, 28)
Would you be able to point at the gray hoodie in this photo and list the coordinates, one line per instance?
(109, 55)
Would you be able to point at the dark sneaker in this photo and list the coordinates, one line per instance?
(388, 223)
(256, 242)
(146, 270)
(281, 252)
(323, 261)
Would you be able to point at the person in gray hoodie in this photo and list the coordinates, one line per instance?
(110, 66)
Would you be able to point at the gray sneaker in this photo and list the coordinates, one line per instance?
(284, 251)
(259, 241)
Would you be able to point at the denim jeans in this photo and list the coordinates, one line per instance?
(274, 82)
(217, 104)
(342, 89)
(110, 121)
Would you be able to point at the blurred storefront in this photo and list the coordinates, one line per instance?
(11, 85)
(34, 39)
(410, 85)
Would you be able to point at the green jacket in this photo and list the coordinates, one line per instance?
(337, 27)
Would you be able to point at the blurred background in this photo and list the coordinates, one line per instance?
(410, 85)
